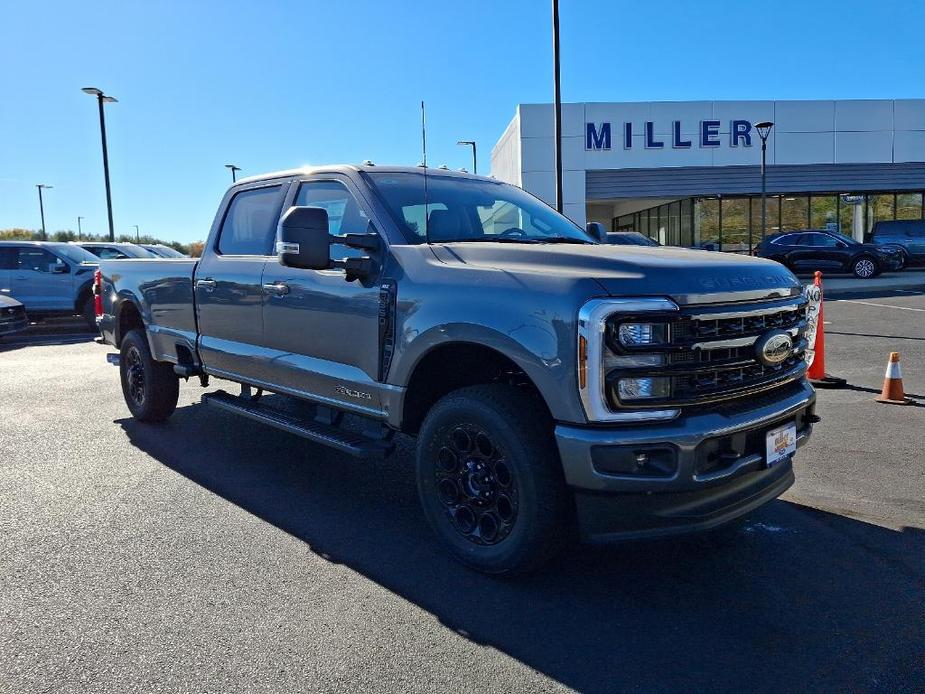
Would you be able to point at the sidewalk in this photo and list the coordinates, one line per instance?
(911, 280)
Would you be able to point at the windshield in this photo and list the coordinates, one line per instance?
(164, 251)
(466, 209)
(632, 238)
(75, 254)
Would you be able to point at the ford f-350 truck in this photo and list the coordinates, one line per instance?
(558, 387)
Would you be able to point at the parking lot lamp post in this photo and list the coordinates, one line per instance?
(557, 98)
(104, 99)
(234, 169)
(471, 143)
(78, 228)
(764, 129)
(40, 186)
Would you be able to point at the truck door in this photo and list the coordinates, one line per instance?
(229, 296)
(41, 280)
(322, 332)
(7, 263)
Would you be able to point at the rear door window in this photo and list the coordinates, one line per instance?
(7, 258)
(249, 227)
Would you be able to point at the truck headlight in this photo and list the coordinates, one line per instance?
(613, 337)
(642, 334)
(645, 388)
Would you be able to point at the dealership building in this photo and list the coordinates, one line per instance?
(688, 173)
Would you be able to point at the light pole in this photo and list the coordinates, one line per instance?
(471, 143)
(764, 129)
(137, 237)
(234, 169)
(558, 102)
(104, 99)
(78, 228)
(40, 186)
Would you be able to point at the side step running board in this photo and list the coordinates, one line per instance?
(348, 442)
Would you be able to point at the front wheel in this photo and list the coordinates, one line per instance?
(490, 481)
(150, 388)
(864, 268)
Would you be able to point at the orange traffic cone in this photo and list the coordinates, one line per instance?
(892, 392)
(816, 373)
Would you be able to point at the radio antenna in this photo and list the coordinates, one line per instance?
(424, 163)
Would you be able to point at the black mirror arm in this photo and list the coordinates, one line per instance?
(355, 268)
(368, 241)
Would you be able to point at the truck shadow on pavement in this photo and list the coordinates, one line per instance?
(795, 598)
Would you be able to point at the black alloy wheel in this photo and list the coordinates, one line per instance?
(476, 485)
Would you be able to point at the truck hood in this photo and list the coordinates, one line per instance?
(686, 276)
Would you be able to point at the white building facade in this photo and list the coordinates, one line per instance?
(688, 173)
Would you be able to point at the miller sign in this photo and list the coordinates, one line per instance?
(599, 136)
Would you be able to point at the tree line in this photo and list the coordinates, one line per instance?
(193, 249)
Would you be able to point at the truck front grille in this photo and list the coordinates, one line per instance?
(713, 353)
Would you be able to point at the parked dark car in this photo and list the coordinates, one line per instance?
(12, 316)
(812, 250)
(906, 236)
(630, 238)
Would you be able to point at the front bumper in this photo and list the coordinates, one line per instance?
(8, 327)
(717, 468)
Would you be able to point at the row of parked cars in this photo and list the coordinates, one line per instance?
(44, 278)
(891, 245)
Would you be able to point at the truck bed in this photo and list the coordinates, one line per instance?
(161, 289)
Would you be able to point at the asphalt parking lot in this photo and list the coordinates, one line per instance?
(213, 554)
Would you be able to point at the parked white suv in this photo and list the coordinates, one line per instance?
(49, 278)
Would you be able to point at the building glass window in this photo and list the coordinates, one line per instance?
(773, 221)
(687, 232)
(674, 224)
(850, 215)
(652, 228)
(706, 224)
(823, 212)
(909, 206)
(880, 208)
(735, 225)
(794, 213)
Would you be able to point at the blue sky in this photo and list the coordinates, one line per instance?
(272, 85)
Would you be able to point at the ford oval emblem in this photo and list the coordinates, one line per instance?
(774, 348)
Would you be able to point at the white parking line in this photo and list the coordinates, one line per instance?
(870, 303)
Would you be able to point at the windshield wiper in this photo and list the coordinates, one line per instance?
(563, 239)
(488, 239)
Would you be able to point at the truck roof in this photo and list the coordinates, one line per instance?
(354, 168)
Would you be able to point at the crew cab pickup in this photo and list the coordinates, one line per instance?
(558, 387)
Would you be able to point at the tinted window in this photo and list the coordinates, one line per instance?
(250, 224)
(37, 259)
(788, 240)
(819, 241)
(107, 253)
(7, 258)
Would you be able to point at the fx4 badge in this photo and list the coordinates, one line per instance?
(351, 393)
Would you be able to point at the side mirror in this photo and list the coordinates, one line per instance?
(597, 231)
(59, 269)
(841, 244)
(303, 239)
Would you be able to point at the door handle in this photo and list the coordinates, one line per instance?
(206, 284)
(276, 289)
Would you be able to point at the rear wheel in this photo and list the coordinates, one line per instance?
(864, 267)
(88, 312)
(150, 388)
(490, 481)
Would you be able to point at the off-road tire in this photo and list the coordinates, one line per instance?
(159, 386)
(520, 432)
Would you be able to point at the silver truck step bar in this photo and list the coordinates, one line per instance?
(349, 442)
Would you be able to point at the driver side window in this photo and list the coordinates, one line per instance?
(345, 214)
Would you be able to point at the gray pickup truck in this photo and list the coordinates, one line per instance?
(558, 387)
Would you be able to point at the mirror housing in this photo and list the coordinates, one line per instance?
(596, 231)
(841, 244)
(60, 269)
(303, 239)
